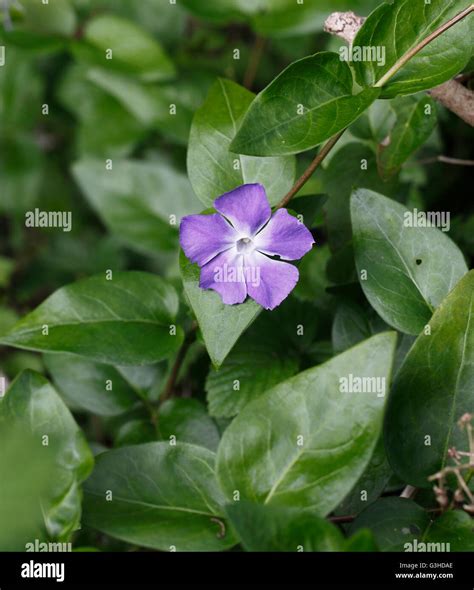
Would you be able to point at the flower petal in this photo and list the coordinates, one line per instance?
(284, 236)
(269, 281)
(202, 237)
(246, 207)
(225, 274)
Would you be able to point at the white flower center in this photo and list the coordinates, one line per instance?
(245, 245)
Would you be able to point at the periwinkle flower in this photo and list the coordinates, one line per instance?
(237, 247)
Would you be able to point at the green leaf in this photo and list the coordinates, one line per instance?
(393, 522)
(123, 321)
(96, 388)
(416, 119)
(252, 367)
(309, 102)
(141, 202)
(135, 50)
(433, 389)
(211, 314)
(306, 442)
(21, 489)
(33, 405)
(212, 169)
(281, 528)
(160, 496)
(370, 485)
(106, 128)
(409, 22)
(151, 105)
(267, 354)
(454, 527)
(188, 421)
(354, 166)
(375, 123)
(409, 270)
(350, 326)
(50, 18)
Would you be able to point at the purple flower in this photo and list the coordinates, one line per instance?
(234, 247)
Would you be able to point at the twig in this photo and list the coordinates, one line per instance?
(170, 384)
(254, 62)
(447, 160)
(457, 98)
(327, 147)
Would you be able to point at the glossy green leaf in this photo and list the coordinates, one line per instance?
(416, 119)
(409, 22)
(394, 522)
(454, 527)
(141, 202)
(96, 388)
(31, 403)
(281, 528)
(133, 48)
(160, 496)
(408, 270)
(221, 325)
(306, 442)
(309, 102)
(212, 168)
(433, 389)
(123, 321)
(187, 421)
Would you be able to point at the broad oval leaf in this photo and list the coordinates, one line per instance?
(132, 47)
(137, 200)
(213, 170)
(432, 390)
(123, 321)
(409, 270)
(32, 404)
(161, 496)
(409, 22)
(306, 441)
(221, 325)
(309, 102)
(93, 387)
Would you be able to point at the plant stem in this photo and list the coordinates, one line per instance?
(170, 384)
(327, 147)
(439, 31)
(447, 160)
(254, 62)
(348, 518)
